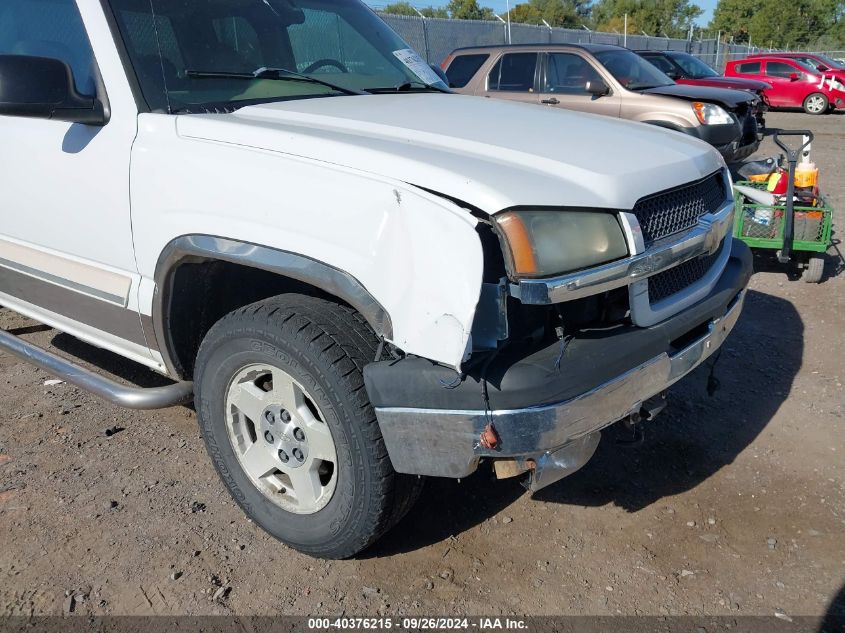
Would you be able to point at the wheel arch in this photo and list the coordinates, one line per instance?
(217, 255)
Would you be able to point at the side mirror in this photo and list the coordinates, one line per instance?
(794, 77)
(43, 88)
(822, 68)
(674, 75)
(597, 88)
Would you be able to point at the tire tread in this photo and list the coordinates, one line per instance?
(342, 341)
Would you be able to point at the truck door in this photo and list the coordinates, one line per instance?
(66, 255)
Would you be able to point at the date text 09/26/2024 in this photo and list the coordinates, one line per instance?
(417, 623)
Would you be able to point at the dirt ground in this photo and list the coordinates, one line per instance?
(735, 504)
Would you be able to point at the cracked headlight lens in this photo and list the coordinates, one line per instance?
(544, 242)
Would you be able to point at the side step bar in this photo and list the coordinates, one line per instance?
(129, 397)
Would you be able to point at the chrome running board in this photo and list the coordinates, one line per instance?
(123, 395)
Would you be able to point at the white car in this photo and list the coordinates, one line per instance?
(358, 277)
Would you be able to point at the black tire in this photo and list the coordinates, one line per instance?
(324, 346)
(814, 272)
(816, 103)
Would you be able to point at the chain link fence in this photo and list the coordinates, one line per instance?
(435, 38)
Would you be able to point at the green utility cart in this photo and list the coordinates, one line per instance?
(798, 234)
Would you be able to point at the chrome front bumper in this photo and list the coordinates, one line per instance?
(447, 443)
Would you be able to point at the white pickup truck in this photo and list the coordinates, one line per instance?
(359, 278)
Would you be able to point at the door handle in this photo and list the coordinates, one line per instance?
(552, 101)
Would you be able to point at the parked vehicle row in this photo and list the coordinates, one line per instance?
(795, 84)
(810, 81)
(821, 63)
(783, 80)
(359, 277)
(613, 81)
(684, 68)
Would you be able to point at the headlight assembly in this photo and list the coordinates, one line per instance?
(711, 114)
(540, 243)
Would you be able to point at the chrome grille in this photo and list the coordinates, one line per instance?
(672, 281)
(678, 209)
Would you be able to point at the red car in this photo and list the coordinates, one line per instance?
(823, 64)
(794, 83)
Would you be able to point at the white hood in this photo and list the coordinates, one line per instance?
(488, 153)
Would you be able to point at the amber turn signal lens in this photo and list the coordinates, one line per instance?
(700, 114)
(519, 241)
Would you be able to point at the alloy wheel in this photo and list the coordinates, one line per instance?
(816, 104)
(281, 439)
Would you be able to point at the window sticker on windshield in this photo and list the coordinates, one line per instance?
(416, 65)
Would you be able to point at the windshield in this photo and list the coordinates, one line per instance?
(805, 66)
(631, 70)
(693, 67)
(824, 60)
(193, 56)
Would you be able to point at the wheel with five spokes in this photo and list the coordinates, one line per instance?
(287, 423)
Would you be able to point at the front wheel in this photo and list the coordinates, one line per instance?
(816, 103)
(286, 420)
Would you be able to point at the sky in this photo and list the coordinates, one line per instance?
(499, 6)
(708, 6)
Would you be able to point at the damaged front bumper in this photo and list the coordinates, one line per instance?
(546, 409)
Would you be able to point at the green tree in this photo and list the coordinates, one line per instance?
(435, 12)
(469, 10)
(566, 13)
(733, 18)
(523, 14)
(832, 40)
(790, 28)
(406, 8)
(400, 8)
(616, 24)
(655, 17)
(781, 23)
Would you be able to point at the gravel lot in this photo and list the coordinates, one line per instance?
(735, 504)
